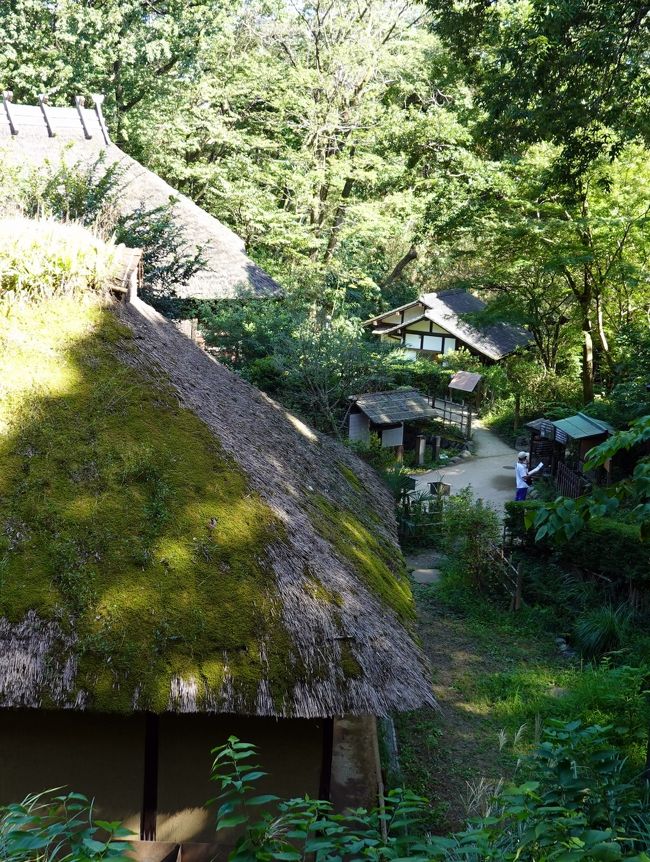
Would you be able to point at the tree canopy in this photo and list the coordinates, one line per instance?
(368, 152)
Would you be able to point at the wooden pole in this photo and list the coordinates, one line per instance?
(150, 788)
(518, 589)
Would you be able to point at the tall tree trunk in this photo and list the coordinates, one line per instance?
(602, 340)
(339, 215)
(587, 357)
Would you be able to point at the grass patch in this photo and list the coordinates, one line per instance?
(528, 681)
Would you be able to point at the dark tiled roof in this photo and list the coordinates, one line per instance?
(495, 340)
(81, 136)
(384, 408)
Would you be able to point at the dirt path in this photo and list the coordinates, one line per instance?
(444, 754)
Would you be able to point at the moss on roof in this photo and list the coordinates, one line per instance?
(376, 562)
(121, 516)
(171, 539)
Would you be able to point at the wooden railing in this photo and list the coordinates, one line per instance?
(511, 575)
(452, 413)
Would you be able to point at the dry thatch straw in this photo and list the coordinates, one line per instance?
(338, 623)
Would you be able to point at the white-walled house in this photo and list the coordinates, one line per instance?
(433, 325)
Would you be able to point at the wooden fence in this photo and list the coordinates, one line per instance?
(569, 483)
(511, 575)
(452, 413)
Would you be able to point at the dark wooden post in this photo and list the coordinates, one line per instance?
(517, 602)
(326, 759)
(150, 787)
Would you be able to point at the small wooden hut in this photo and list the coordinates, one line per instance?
(182, 559)
(386, 414)
(563, 445)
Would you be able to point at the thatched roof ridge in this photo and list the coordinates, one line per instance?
(229, 272)
(348, 647)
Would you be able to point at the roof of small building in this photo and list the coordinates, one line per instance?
(580, 426)
(398, 405)
(445, 308)
(174, 540)
(80, 135)
(465, 381)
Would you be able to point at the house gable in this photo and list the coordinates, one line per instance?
(434, 324)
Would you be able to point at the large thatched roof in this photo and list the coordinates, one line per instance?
(81, 136)
(172, 539)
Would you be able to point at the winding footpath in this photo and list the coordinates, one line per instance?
(490, 472)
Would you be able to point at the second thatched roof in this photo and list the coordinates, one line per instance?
(34, 135)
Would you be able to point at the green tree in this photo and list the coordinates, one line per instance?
(131, 50)
(323, 363)
(329, 136)
(574, 73)
(563, 258)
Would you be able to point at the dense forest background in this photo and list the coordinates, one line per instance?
(368, 151)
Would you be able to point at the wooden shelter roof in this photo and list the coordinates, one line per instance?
(580, 426)
(465, 381)
(398, 405)
(31, 135)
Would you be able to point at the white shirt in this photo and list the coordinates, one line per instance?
(521, 470)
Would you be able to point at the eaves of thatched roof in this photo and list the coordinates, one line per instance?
(79, 135)
(174, 540)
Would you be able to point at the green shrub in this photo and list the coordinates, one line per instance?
(610, 548)
(605, 546)
(89, 194)
(601, 630)
(373, 452)
(41, 259)
(58, 828)
(470, 527)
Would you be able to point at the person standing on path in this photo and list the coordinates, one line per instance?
(523, 476)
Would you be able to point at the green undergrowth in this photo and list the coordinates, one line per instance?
(377, 561)
(528, 682)
(122, 517)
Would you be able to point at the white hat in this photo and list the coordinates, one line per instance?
(522, 455)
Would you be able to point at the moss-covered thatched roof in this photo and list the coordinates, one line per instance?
(172, 539)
